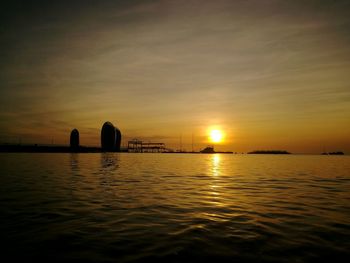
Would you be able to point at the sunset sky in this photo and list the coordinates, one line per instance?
(271, 74)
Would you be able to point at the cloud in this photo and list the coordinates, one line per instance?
(174, 65)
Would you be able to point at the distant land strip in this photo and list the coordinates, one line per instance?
(37, 148)
(269, 152)
(47, 149)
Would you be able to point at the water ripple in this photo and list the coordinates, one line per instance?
(174, 208)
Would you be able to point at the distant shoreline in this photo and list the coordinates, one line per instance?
(269, 152)
(47, 149)
(36, 148)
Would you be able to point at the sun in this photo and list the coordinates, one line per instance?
(216, 136)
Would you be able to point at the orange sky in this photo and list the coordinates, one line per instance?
(271, 74)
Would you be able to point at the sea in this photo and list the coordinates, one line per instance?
(134, 207)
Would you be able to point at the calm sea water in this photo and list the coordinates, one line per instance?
(174, 208)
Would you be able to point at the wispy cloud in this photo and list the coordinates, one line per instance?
(175, 65)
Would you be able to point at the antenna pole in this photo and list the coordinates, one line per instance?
(181, 142)
(192, 141)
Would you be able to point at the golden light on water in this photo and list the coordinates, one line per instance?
(215, 164)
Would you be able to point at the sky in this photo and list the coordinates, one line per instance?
(272, 74)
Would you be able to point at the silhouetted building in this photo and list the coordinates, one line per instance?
(208, 149)
(118, 139)
(110, 138)
(138, 146)
(74, 139)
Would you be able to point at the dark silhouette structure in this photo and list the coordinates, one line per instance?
(138, 146)
(74, 140)
(110, 138)
(333, 153)
(208, 149)
(118, 139)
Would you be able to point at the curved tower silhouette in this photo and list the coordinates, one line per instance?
(74, 139)
(110, 138)
(118, 139)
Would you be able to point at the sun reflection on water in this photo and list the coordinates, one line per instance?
(214, 189)
(215, 165)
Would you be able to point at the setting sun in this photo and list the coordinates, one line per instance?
(216, 136)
